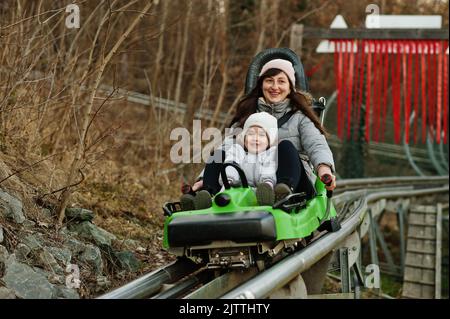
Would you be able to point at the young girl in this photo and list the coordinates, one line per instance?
(255, 152)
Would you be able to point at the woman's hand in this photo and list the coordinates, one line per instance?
(197, 185)
(325, 169)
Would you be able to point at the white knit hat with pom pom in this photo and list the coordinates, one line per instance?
(264, 120)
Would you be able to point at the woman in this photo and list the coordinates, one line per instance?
(302, 137)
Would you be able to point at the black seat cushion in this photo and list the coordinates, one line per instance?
(240, 227)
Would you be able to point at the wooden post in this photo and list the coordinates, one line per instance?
(296, 39)
(437, 287)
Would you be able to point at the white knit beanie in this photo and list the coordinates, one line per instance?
(283, 65)
(264, 120)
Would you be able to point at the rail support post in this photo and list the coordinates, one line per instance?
(401, 229)
(295, 289)
(315, 276)
(345, 270)
(373, 240)
(385, 248)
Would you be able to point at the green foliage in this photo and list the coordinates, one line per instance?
(352, 161)
(301, 5)
(391, 285)
(247, 5)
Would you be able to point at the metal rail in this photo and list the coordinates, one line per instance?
(389, 150)
(364, 183)
(164, 104)
(151, 283)
(287, 269)
(408, 152)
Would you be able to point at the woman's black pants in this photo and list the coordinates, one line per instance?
(290, 170)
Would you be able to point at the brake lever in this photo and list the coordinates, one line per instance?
(283, 203)
(327, 180)
(170, 208)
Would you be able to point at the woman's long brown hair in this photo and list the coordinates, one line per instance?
(300, 101)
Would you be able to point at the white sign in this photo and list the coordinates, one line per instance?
(374, 21)
(326, 46)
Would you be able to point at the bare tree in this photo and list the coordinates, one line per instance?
(222, 38)
(184, 48)
(263, 13)
(86, 116)
(160, 52)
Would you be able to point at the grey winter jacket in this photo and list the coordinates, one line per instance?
(258, 168)
(310, 143)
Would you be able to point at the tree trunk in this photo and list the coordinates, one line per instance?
(263, 8)
(183, 53)
(159, 54)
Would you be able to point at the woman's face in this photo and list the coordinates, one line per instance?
(276, 88)
(256, 140)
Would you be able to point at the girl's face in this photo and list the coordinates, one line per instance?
(256, 140)
(276, 88)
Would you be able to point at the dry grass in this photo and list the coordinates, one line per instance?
(120, 183)
(121, 187)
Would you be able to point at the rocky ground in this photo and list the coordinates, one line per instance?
(82, 260)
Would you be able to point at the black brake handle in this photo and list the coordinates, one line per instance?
(327, 179)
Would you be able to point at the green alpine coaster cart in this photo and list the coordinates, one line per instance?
(237, 233)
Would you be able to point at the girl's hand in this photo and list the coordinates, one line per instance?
(325, 169)
(197, 185)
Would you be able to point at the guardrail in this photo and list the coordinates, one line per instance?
(286, 270)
